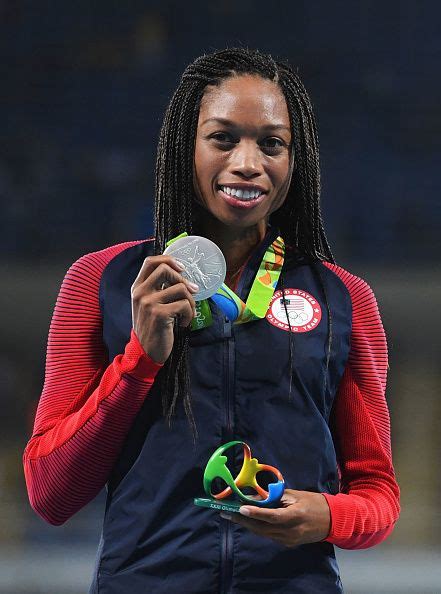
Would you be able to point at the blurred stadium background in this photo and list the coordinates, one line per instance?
(84, 86)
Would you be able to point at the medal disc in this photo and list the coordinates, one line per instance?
(204, 263)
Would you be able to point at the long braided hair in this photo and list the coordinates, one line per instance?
(299, 218)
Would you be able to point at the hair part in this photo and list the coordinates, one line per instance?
(299, 218)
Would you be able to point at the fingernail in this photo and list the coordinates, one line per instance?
(244, 511)
(179, 264)
(225, 515)
(194, 286)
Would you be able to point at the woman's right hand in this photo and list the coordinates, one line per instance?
(154, 308)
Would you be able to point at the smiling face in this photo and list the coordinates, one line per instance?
(242, 168)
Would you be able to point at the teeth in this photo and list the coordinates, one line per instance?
(241, 194)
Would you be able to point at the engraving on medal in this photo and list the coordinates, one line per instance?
(204, 263)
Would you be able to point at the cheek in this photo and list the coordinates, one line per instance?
(285, 167)
(284, 176)
(202, 163)
(197, 159)
(198, 169)
(208, 165)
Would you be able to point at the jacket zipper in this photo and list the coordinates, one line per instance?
(225, 526)
(228, 435)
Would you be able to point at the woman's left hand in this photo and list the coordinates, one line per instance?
(303, 517)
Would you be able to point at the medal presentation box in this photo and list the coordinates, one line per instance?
(228, 506)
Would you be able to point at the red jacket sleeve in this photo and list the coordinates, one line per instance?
(87, 405)
(363, 514)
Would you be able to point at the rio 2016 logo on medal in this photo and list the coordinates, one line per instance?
(303, 309)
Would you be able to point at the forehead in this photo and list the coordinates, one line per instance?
(247, 98)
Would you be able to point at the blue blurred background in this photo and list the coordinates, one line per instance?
(83, 89)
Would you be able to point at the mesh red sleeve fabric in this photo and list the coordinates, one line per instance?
(87, 405)
(365, 511)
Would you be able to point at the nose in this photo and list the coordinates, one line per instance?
(246, 160)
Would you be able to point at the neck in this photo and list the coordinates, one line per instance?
(236, 243)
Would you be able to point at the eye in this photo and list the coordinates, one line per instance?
(223, 137)
(272, 144)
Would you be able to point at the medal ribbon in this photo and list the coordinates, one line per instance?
(260, 295)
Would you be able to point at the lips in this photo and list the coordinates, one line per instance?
(242, 192)
(241, 201)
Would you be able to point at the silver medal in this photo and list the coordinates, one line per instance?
(204, 263)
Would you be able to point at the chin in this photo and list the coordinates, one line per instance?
(241, 222)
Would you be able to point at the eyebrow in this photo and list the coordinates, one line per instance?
(226, 122)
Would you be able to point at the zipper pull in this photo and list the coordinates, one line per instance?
(227, 327)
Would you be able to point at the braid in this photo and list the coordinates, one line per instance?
(299, 218)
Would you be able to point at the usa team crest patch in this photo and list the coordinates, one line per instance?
(304, 311)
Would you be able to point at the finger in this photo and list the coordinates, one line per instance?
(181, 310)
(164, 274)
(291, 496)
(176, 293)
(152, 262)
(269, 515)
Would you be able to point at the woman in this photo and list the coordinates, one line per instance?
(304, 386)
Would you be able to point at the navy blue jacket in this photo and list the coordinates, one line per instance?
(154, 538)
